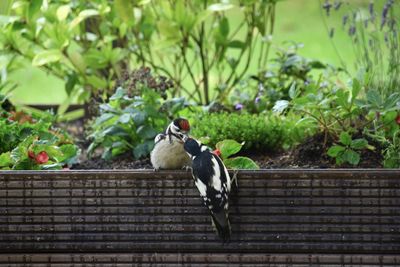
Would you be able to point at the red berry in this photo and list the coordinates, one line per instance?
(31, 154)
(398, 119)
(217, 152)
(42, 157)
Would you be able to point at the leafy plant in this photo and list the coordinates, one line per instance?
(373, 30)
(29, 143)
(227, 148)
(259, 132)
(88, 44)
(76, 41)
(392, 151)
(335, 110)
(288, 70)
(133, 116)
(347, 150)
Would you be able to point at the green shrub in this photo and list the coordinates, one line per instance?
(134, 115)
(286, 71)
(31, 143)
(88, 44)
(259, 132)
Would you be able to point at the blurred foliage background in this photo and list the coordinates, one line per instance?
(299, 21)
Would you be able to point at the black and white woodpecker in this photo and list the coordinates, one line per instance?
(213, 182)
(168, 152)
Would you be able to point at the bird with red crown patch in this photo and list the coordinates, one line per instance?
(168, 152)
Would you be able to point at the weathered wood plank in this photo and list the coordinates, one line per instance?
(203, 218)
(243, 202)
(200, 227)
(299, 212)
(206, 245)
(202, 258)
(191, 192)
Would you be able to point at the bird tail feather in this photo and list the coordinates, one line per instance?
(222, 225)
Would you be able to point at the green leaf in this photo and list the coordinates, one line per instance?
(316, 64)
(224, 27)
(202, 16)
(97, 82)
(351, 157)
(63, 12)
(82, 16)
(280, 106)
(116, 131)
(124, 10)
(104, 117)
(146, 132)
(360, 143)
(72, 80)
(342, 98)
(139, 117)
(345, 138)
(237, 44)
(335, 150)
(293, 90)
(6, 160)
(374, 98)
(220, 7)
(69, 154)
(34, 7)
(228, 147)
(124, 118)
(142, 150)
(355, 89)
(244, 163)
(46, 57)
(78, 61)
(119, 93)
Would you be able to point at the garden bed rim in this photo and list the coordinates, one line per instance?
(181, 173)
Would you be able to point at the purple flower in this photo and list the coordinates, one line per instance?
(331, 32)
(371, 8)
(385, 11)
(327, 6)
(352, 30)
(345, 19)
(257, 99)
(337, 4)
(238, 106)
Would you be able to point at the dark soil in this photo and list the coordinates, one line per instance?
(310, 154)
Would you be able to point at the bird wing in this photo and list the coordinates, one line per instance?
(211, 181)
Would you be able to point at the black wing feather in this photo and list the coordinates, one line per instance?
(216, 201)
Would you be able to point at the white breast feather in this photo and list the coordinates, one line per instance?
(228, 179)
(202, 187)
(216, 178)
(166, 155)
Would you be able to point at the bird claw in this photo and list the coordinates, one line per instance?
(187, 168)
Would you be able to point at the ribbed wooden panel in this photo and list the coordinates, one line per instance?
(278, 217)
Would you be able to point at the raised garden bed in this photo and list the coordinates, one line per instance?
(124, 218)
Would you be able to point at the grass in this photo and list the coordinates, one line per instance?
(297, 20)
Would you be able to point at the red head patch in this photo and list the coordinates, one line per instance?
(184, 125)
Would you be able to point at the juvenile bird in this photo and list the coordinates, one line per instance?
(168, 152)
(213, 182)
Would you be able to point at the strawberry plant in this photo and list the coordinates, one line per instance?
(31, 143)
(347, 150)
(227, 148)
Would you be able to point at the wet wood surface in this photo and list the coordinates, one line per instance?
(126, 218)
